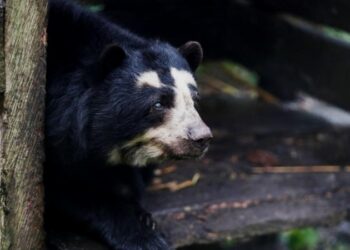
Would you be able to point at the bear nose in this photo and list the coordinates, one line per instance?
(200, 135)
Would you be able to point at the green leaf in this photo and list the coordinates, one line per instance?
(301, 239)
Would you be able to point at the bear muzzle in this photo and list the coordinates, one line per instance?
(200, 136)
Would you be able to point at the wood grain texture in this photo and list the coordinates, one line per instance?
(2, 89)
(22, 156)
(2, 58)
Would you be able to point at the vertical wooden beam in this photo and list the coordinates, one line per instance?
(2, 57)
(21, 188)
(2, 91)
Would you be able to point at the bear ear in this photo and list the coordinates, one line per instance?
(111, 57)
(192, 51)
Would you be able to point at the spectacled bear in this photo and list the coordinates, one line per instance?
(115, 102)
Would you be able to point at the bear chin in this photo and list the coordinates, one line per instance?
(154, 152)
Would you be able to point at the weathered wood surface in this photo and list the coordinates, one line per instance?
(232, 199)
(328, 12)
(22, 131)
(286, 56)
(254, 205)
(2, 59)
(224, 208)
(2, 90)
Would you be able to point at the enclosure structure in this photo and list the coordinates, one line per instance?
(22, 94)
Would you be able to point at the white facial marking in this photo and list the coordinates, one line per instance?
(149, 78)
(145, 154)
(141, 157)
(178, 120)
(182, 78)
(182, 116)
(114, 157)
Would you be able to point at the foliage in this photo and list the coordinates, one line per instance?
(241, 72)
(301, 239)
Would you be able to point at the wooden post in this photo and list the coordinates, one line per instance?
(3, 242)
(22, 74)
(2, 58)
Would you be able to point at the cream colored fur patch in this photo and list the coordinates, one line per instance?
(114, 157)
(149, 78)
(178, 120)
(182, 116)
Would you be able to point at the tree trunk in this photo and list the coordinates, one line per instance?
(22, 77)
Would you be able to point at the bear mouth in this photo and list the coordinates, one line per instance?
(183, 150)
(153, 151)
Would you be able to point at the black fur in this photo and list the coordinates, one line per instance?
(93, 105)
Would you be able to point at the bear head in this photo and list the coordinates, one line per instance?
(144, 106)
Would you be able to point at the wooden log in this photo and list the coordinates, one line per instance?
(22, 131)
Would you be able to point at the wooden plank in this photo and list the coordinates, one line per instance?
(329, 12)
(231, 217)
(243, 208)
(22, 132)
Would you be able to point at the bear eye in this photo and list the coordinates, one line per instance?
(194, 92)
(158, 106)
(195, 96)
